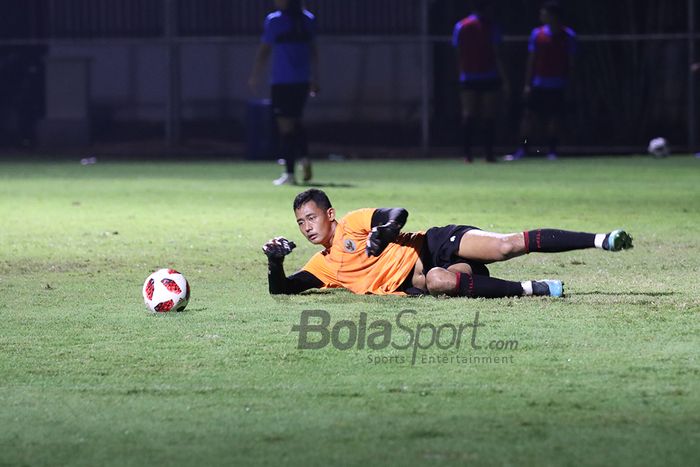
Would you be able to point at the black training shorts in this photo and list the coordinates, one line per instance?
(288, 100)
(440, 249)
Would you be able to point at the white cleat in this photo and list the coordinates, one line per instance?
(285, 179)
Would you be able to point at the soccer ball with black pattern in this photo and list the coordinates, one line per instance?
(658, 147)
(166, 290)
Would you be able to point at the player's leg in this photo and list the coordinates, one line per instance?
(441, 281)
(288, 103)
(468, 98)
(282, 108)
(302, 151)
(555, 115)
(536, 109)
(527, 126)
(302, 142)
(460, 268)
(487, 247)
(286, 127)
(553, 128)
(489, 110)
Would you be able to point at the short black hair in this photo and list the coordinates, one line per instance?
(315, 195)
(552, 7)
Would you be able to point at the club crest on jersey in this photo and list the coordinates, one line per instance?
(350, 246)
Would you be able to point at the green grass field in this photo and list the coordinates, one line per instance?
(609, 375)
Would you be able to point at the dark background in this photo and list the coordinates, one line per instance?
(624, 92)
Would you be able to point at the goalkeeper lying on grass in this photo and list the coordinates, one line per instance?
(366, 252)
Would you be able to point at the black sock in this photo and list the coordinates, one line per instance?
(555, 241)
(553, 143)
(468, 135)
(488, 137)
(469, 285)
(288, 150)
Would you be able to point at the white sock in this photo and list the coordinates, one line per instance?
(527, 287)
(599, 239)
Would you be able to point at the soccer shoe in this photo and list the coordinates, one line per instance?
(516, 156)
(285, 179)
(618, 240)
(548, 288)
(552, 156)
(305, 166)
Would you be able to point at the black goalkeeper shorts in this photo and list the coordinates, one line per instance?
(440, 249)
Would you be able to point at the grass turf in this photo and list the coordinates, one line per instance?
(606, 376)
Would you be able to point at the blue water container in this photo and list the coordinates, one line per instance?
(261, 130)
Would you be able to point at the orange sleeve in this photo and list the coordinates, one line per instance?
(360, 221)
(318, 267)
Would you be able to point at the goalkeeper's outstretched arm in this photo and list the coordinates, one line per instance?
(275, 250)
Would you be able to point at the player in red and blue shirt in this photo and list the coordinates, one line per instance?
(289, 37)
(477, 39)
(552, 49)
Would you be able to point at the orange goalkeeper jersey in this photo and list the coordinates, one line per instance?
(347, 265)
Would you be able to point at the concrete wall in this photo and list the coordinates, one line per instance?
(359, 81)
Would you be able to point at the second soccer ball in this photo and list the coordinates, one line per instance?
(658, 147)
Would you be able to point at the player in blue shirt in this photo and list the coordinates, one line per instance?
(289, 37)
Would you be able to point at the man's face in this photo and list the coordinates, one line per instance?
(315, 223)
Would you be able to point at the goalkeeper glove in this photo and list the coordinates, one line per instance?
(381, 236)
(277, 248)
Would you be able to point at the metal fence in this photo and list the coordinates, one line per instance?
(633, 80)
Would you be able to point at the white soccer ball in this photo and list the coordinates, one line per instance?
(658, 147)
(166, 290)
